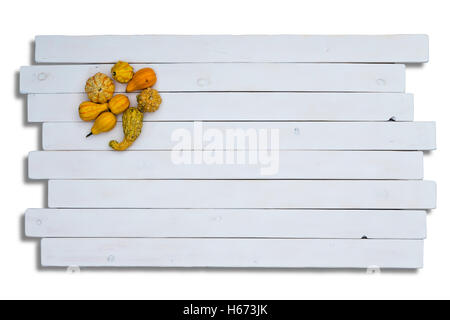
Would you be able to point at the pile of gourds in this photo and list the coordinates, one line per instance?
(103, 106)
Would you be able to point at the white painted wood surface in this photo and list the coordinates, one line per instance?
(256, 253)
(225, 223)
(242, 106)
(231, 48)
(346, 173)
(228, 77)
(242, 194)
(292, 135)
(159, 165)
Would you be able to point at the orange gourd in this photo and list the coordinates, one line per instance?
(89, 111)
(104, 123)
(119, 103)
(143, 79)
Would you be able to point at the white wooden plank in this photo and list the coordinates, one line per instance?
(228, 223)
(159, 165)
(255, 253)
(292, 135)
(242, 194)
(234, 106)
(228, 48)
(228, 77)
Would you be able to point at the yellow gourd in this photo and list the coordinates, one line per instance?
(122, 72)
(148, 100)
(132, 121)
(89, 110)
(142, 79)
(119, 103)
(104, 123)
(99, 88)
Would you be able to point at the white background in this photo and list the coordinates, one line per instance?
(20, 275)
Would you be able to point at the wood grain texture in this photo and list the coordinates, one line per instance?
(228, 77)
(225, 223)
(231, 48)
(255, 253)
(242, 194)
(292, 135)
(234, 106)
(159, 165)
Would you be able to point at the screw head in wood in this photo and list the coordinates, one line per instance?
(42, 76)
(381, 82)
(203, 82)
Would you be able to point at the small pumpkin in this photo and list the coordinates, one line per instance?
(122, 72)
(142, 79)
(132, 122)
(119, 103)
(104, 123)
(149, 100)
(89, 110)
(99, 88)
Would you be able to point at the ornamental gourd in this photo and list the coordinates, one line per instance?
(89, 111)
(99, 88)
(104, 123)
(142, 79)
(148, 100)
(119, 103)
(132, 121)
(122, 72)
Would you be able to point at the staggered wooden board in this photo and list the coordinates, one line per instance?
(256, 253)
(291, 194)
(291, 165)
(407, 136)
(227, 48)
(336, 183)
(240, 77)
(238, 106)
(224, 223)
